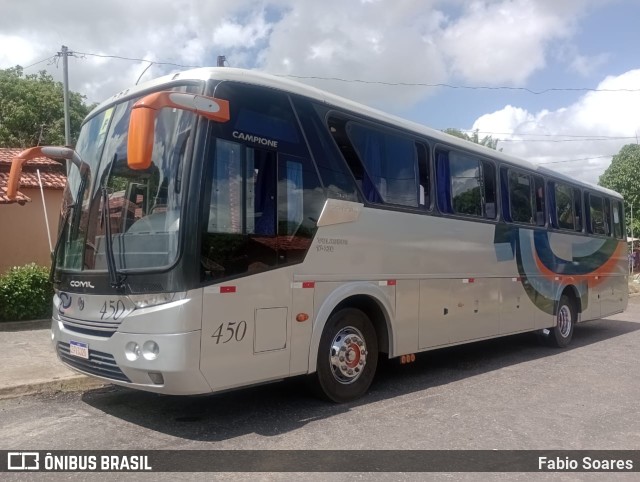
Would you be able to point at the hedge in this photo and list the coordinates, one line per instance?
(25, 293)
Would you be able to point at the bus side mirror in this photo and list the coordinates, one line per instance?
(143, 119)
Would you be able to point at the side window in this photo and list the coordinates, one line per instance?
(334, 172)
(424, 170)
(390, 165)
(564, 206)
(300, 202)
(596, 215)
(577, 208)
(520, 205)
(466, 185)
(608, 227)
(617, 219)
(539, 200)
(263, 210)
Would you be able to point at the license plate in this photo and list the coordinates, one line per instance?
(79, 349)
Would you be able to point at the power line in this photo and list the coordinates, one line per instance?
(51, 57)
(377, 82)
(575, 160)
(137, 60)
(578, 136)
(451, 86)
(594, 139)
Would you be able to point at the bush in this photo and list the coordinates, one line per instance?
(25, 293)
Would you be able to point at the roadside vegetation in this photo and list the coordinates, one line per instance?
(25, 293)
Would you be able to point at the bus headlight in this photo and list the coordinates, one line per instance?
(150, 350)
(154, 299)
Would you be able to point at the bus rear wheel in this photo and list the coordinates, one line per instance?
(347, 356)
(560, 336)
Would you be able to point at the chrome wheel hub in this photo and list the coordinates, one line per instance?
(348, 355)
(564, 321)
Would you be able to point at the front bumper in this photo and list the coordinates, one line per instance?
(178, 360)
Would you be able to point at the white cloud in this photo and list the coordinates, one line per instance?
(498, 42)
(412, 41)
(585, 65)
(548, 134)
(233, 34)
(360, 41)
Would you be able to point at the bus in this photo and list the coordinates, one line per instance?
(222, 228)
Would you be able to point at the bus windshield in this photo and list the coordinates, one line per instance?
(142, 206)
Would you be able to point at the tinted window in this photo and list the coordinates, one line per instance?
(262, 212)
(260, 117)
(520, 205)
(596, 213)
(564, 206)
(577, 208)
(617, 219)
(465, 185)
(300, 202)
(390, 163)
(424, 195)
(334, 172)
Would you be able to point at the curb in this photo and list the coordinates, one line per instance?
(71, 384)
(25, 325)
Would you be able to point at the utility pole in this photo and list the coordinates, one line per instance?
(65, 53)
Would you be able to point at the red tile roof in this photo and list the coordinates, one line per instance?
(52, 173)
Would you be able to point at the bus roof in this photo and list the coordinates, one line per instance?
(280, 83)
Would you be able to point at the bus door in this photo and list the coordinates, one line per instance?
(246, 300)
(260, 223)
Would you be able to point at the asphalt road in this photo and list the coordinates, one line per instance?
(509, 393)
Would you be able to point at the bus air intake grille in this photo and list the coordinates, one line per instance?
(99, 363)
(95, 328)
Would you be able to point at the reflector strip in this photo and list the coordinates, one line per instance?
(558, 278)
(222, 289)
(389, 282)
(303, 284)
(468, 280)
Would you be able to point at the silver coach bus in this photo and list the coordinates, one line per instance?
(222, 228)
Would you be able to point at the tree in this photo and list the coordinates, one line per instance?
(487, 141)
(623, 176)
(32, 110)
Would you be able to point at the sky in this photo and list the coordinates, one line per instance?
(557, 81)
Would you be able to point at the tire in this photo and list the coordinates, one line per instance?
(560, 335)
(344, 373)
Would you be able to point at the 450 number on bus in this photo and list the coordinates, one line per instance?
(230, 331)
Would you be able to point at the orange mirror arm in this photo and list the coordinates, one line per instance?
(209, 107)
(143, 117)
(16, 169)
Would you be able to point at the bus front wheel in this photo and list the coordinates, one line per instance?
(347, 356)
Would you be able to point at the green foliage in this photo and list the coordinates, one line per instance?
(623, 176)
(486, 141)
(32, 110)
(25, 293)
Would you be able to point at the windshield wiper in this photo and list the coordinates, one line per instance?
(116, 279)
(54, 254)
(71, 155)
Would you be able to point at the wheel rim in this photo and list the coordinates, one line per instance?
(348, 355)
(564, 321)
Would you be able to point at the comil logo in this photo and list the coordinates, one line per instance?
(81, 284)
(23, 461)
